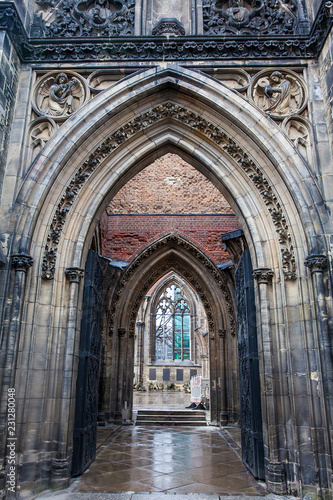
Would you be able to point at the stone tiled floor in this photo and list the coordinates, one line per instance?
(169, 460)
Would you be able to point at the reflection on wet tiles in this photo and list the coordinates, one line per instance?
(169, 459)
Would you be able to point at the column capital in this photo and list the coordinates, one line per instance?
(317, 263)
(22, 262)
(263, 275)
(74, 274)
(140, 324)
(221, 333)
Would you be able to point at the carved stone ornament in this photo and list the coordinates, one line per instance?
(299, 131)
(21, 262)
(92, 18)
(195, 122)
(59, 94)
(168, 27)
(240, 17)
(280, 93)
(316, 263)
(74, 274)
(40, 132)
(263, 275)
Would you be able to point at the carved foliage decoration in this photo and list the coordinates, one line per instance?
(198, 123)
(91, 18)
(240, 17)
(280, 93)
(164, 268)
(59, 94)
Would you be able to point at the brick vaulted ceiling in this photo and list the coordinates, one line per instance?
(167, 196)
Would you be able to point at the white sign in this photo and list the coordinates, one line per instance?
(196, 389)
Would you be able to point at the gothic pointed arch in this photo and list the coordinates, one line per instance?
(276, 199)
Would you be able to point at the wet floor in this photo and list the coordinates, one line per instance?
(169, 460)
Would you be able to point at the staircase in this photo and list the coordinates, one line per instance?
(171, 417)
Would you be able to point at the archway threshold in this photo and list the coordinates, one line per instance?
(194, 462)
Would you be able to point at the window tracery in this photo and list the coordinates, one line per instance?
(173, 325)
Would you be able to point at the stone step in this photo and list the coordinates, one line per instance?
(156, 418)
(181, 413)
(171, 417)
(192, 423)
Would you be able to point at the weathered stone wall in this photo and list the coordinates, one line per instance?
(326, 68)
(25, 9)
(9, 74)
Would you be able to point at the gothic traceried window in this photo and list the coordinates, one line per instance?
(173, 325)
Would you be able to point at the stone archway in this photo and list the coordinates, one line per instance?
(272, 192)
(171, 253)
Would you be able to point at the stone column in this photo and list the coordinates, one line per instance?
(129, 377)
(141, 327)
(9, 346)
(215, 414)
(61, 464)
(224, 417)
(274, 469)
(122, 341)
(323, 399)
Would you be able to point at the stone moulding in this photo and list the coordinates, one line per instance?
(131, 48)
(196, 122)
(165, 267)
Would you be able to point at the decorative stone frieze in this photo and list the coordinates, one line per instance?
(22, 262)
(74, 274)
(246, 17)
(206, 47)
(316, 263)
(195, 122)
(263, 275)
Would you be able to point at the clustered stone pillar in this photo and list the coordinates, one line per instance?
(323, 411)
(224, 416)
(275, 474)
(21, 263)
(122, 340)
(61, 464)
(141, 327)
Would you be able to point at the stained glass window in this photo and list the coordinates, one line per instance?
(173, 325)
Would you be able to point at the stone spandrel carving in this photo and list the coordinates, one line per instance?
(59, 94)
(241, 17)
(299, 131)
(280, 93)
(40, 132)
(89, 18)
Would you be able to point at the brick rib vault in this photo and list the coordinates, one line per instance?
(272, 192)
